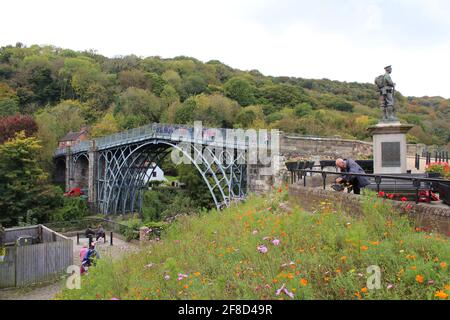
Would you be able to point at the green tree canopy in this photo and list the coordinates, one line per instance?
(23, 183)
(241, 90)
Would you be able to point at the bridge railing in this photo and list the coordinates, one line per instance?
(154, 130)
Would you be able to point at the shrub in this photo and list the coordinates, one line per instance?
(132, 231)
(74, 208)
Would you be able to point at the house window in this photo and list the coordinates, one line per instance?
(154, 174)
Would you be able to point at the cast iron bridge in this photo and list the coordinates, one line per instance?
(115, 169)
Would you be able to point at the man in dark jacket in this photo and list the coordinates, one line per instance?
(350, 166)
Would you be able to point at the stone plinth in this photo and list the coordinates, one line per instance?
(389, 147)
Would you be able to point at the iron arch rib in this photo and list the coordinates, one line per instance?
(122, 172)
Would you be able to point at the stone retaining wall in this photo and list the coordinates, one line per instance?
(292, 146)
(430, 216)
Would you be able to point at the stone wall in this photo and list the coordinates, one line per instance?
(292, 146)
(435, 217)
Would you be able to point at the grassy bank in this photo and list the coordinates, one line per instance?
(253, 250)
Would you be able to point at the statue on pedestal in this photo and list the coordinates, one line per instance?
(386, 88)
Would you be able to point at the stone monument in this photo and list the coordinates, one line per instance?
(389, 135)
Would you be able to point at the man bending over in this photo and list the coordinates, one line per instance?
(350, 166)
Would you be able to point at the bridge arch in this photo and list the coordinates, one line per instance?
(80, 170)
(122, 172)
(59, 175)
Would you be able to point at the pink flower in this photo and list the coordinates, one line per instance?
(181, 276)
(255, 232)
(166, 277)
(286, 291)
(276, 242)
(262, 249)
(390, 286)
(114, 298)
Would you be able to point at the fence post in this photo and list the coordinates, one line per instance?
(111, 238)
(78, 239)
(416, 184)
(324, 178)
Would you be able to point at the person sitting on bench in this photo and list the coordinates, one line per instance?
(356, 182)
(100, 233)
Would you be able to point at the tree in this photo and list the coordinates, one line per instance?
(283, 95)
(216, 110)
(133, 78)
(168, 96)
(80, 73)
(241, 90)
(38, 77)
(23, 183)
(56, 122)
(9, 102)
(9, 126)
(251, 117)
(193, 84)
(303, 109)
(173, 78)
(184, 113)
(136, 107)
(107, 125)
(156, 83)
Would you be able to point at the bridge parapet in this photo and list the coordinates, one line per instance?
(154, 131)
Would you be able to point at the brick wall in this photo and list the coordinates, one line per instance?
(424, 215)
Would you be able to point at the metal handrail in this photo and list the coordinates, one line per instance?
(417, 181)
(154, 130)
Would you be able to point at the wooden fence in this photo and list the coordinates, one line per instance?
(34, 263)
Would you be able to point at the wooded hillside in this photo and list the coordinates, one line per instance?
(64, 89)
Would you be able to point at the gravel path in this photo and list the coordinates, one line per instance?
(48, 291)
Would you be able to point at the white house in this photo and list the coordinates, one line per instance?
(154, 173)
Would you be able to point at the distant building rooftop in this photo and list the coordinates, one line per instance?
(73, 136)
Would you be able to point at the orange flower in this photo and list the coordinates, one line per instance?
(364, 248)
(364, 290)
(185, 286)
(441, 295)
(413, 267)
(290, 276)
(196, 274)
(375, 243)
(447, 287)
(303, 282)
(443, 265)
(338, 270)
(358, 295)
(419, 278)
(343, 258)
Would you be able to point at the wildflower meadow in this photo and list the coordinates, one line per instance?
(265, 249)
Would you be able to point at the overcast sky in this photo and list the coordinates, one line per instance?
(348, 40)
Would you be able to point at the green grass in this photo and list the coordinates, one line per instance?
(324, 255)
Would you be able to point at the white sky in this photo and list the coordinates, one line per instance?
(347, 40)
